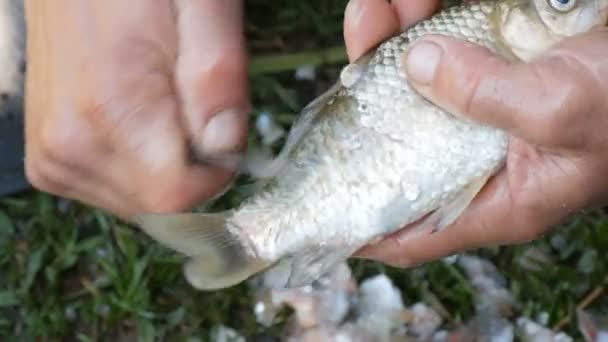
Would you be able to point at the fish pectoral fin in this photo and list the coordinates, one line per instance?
(256, 161)
(313, 265)
(205, 273)
(264, 168)
(259, 164)
(218, 258)
(449, 213)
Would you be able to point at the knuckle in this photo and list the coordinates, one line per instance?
(475, 85)
(93, 109)
(570, 100)
(34, 177)
(566, 93)
(482, 88)
(114, 112)
(58, 142)
(43, 176)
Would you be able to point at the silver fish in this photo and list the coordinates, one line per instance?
(368, 157)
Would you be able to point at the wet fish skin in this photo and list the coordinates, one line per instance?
(367, 158)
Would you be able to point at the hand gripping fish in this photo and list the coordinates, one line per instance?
(368, 157)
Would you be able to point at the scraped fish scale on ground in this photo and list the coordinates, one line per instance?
(332, 188)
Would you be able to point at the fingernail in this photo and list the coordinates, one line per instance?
(421, 62)
(224, 132)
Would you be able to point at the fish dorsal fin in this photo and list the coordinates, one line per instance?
(307, 118)
(300, 127)
(256, 163)
(310, 113)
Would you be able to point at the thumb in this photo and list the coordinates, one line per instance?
(525, 99)
(212, 74)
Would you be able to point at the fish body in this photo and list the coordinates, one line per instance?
(368, 157)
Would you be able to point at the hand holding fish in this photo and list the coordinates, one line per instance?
(555, 109)
(373, 155)
(118, 90)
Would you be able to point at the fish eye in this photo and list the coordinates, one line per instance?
(562, 5)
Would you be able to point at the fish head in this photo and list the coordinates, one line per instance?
(566, 18)
(527, 28)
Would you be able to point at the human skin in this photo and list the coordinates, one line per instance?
(557, 160)
(120, 92)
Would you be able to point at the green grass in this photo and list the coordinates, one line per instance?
(69, 272)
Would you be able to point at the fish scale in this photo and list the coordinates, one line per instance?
(365, 159)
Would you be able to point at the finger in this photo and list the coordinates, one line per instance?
(212, 74)
(366, 24)
(524, 200)
(522, 98)
(485, 222)
(166, 181)
(140, 117)
(412, 11)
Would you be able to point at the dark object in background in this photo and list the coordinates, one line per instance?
(12, 172)
(12, 80)
(13, 38)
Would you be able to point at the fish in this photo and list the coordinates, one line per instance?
(368, 157)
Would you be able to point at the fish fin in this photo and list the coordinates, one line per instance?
(310, 113)
(310, 267)
(306, 120)
(308, 116)
(256, 162)
(219, 258)
(449, 213)
(206, 273)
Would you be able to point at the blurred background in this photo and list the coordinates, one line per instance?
(70, 272)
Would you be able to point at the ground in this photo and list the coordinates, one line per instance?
(71, 272)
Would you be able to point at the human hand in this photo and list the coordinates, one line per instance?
(117, 91)
(555, 109)
(368, 22)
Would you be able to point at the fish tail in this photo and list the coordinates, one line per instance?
(218, 258)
